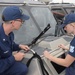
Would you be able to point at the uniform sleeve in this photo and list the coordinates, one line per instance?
(6, 63)
(72, 48)
(16, 47)
(72, 51)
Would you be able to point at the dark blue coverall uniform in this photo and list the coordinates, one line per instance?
(8, 65)
(71, 69)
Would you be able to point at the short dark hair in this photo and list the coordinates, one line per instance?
(3, 18)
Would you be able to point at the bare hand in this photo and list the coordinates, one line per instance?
(24, 47)
(63, 47)
(46, 54)
(19, 56)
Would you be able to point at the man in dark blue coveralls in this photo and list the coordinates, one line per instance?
(10, 64)
(69, 61)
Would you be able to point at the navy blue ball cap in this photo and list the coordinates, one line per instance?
(13, 13)
(69, 18)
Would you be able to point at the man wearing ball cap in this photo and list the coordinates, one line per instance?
(10, 64)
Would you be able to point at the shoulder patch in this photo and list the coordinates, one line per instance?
(72, 49)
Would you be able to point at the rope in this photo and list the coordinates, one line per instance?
(35, 55)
